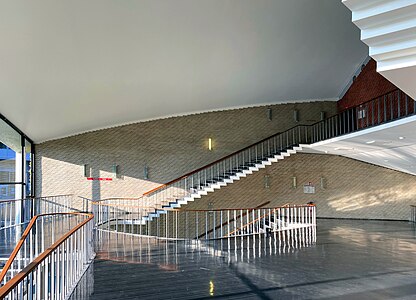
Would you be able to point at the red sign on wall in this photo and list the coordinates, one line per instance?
(100, 178)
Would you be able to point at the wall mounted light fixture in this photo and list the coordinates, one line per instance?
(146, 172)
(209, 144)
(294, 182)
(296, 115)
(269, 114)
(266, 181)
(87, 170)
(323, 183)
(115, 170)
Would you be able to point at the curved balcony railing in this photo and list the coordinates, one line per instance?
(49, 259)
(16, 212)
(202, 224)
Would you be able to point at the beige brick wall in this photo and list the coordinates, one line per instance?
(173, 146)
(352, 189)
(169, 148)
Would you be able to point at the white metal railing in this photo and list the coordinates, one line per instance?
(201, 224)
(269, 220)
(19, 211)
(413, 213)
(15, 212)
(50, 258)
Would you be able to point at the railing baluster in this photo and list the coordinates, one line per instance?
(391, 107)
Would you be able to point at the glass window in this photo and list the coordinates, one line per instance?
(16, 164)
(7, 164)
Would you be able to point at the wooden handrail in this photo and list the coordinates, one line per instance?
(248, 208)
(214, 162)
(207, 210)
(252, 222)
(33, 197)
(231, 220)
(265, 215)
(119, 198)
(26, 233)
(122, 205)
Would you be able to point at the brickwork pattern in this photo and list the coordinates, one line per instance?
(350, 189)
(171, 147)
(368, 85)
(168, 147)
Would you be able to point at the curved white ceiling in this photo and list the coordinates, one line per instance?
(78, 65)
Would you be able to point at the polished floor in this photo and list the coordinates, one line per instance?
(350, 260)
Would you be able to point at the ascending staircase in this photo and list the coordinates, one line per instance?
(388, 27)
(196, 184)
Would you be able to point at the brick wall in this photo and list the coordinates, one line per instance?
(168, 147)
(173, 146)
(368, 85)
(351, 189)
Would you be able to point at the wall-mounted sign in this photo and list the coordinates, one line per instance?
(99, 178)
(309, 188)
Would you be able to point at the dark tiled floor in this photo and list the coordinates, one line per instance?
(351, 260)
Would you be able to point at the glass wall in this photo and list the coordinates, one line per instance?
(16, 163)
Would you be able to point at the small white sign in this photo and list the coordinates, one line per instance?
(308, 189)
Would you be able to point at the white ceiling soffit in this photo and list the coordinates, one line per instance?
(392, 145)
(388, 27)
(78, 65)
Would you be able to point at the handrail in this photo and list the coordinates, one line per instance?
(250, 208)
(121, 205)
(249, 223)
(265, 139)
(34, 197)
(179, 224)
(231, 220)
(214, 162)
(50, 249)
(119, 198)
(265, 215)
(210, 210)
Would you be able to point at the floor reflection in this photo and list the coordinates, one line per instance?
(164, 253)
(351, 259)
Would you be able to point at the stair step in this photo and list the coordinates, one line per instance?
(229, 176)
(220, 178)
(230, 173)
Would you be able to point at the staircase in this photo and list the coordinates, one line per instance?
(219, 174)
(388, 27)
(198, 183)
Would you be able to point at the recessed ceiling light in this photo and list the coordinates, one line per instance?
(370, 142)
(326, 151)
(401, 137)
(386, 160)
